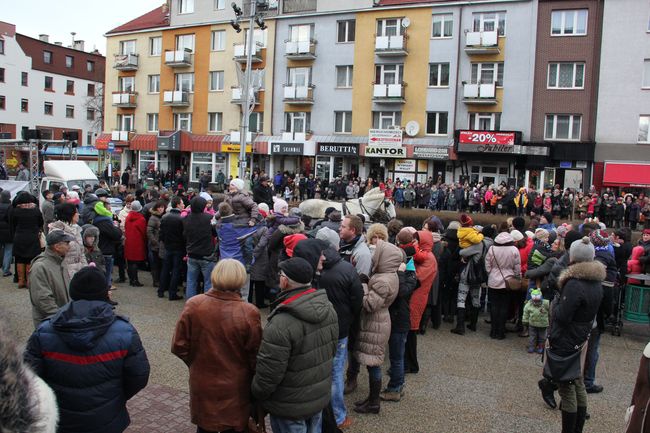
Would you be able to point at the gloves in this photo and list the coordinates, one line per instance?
(364, 278)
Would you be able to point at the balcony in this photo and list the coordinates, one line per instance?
(301, 50)
(125, 99)
(120, 135)
(482, 43)
(238, 96)
(241, 52)
(391, 46)
(388, 93)
(178, 58)
(299, 95)
(294, 136)
(235, 137)
(480, 94)
(176, 98)
(126, 62)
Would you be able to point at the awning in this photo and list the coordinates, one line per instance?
(632, 174)
(143, 142)
(206, 143)
(65, 151)
(101, 142)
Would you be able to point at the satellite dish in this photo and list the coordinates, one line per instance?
(406, 22)
(412, 128)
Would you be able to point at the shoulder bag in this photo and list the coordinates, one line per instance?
(563, 369)
(512, 283)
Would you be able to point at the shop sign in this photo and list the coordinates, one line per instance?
(486, 141)
(581, 164)
(338, 149)
(287, 148)
(385, 137)
(235, 148)
(429, 152)
(386, 152)
(566, 164)
(170, 142)
(407, 165)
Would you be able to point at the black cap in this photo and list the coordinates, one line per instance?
(298, 270)
(101, 192)
(56, 236)
(89, 283)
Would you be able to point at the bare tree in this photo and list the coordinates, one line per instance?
(96, 103)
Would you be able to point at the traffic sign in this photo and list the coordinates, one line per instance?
(385, 138)
(111, 147)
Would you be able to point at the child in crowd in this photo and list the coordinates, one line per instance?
(288, 193)
(468, 235)
(90, 235)
(536, 318)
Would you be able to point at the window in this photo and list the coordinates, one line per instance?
(390, 27)
(46, 134)
(566, 76)
(209, 163)
(218, 40)
(297, 122)
(259, 37)
(487, 73)
(215, 122)
(152, 122)
(389, 74)
(343, 122)
(644, 124)
(2, 103)
(439, 75)
(300, 33)
(48, 83)
(345, 31)
(89, 138)
(126, 84)
(127, 47)
(90, 66)
(185, 82)
(24, 78)
(2, 46)
(154, 83)
(490, 21)
(183, 122)
(386, 119)
(91, 89)
(90, 114)
(437, 123)
(48, 108)
(185, 6)
(256, 122)
(443, 26)
(125, 122)
(344, 76)
(69, 86)
(69, 111)
(299, 77)
(485, 121)
(155, 46)
(646, 74)
(2, 75)
(569, 23)
(69, 61)
(219, 4)
(24, 105)
(563, 127)
(185, 42)
(47, 57)
(216, 80)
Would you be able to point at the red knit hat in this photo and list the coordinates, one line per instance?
(466, 220)
(646, 232)
(291, 241)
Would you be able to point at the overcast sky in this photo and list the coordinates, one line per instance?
(89, 19)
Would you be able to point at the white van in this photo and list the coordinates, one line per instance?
(68, 173)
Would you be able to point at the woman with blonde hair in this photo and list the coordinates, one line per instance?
(218, 336)
(376, 232)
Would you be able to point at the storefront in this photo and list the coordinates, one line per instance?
(436, 158)
(232, 151)
(210, 163)
(626, 177)
(292, 157)
(88, 154)
(336, 160)
(488, 157)
(571, 165)
(379, 160)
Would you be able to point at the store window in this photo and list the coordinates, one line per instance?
(210, 163)
(323, 166)
(147, 160)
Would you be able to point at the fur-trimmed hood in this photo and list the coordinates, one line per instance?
(292, 229)
(592, 271)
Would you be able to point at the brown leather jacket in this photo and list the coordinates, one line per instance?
(641, 397)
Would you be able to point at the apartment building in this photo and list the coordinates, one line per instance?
(51, 88)
(623, 150)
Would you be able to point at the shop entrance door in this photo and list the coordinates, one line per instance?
(573, 179)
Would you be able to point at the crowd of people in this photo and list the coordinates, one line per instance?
(342, 293)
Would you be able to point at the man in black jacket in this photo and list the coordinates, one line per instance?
(263, 193)
(198, 232)
(171, 236)
(109, 236)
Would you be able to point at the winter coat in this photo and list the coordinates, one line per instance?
(640, 396)
(171, 231)
(259, 268)
(556, 270)
(75, 259)
(358, 254)
(135, 237)
(293, 376)
(379, 294)
(574, 310)
(109, 235)
(5, 223)
(276, 219)
(26, 222)
(468, 236)
(276, 247)
(472, 255)
(634, 265)
(217, 336)
(605, 256)
(426, 270)
(47, 209)
(110, 365)
(341, 282)
(400, 316)
(262, 194)
(231, 239)
(523, 254)
(243, 206)
(434, 293)
(47, 288)
(449, 265)
(536, 313)
(93, 254)
(198, 231)
(538, 254)
(502, 262)
(153, 234)
(644, 259)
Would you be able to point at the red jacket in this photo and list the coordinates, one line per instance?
(523, 254)
(135, 234)
(634, 265)
(426, 269)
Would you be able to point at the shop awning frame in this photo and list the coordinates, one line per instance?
(626, 173)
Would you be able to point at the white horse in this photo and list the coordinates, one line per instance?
(373, 204)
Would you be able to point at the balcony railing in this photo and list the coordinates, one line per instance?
(241, 51)
(294, 136)
(482, 43)
(388, 93)
(235, 137)
(126, 62)
(299, 95)
(176, 98)
(120, 135)
(301, 50)
(391, 46)
(238, 96)
(125, 99)
(178, 58)
(480, 94)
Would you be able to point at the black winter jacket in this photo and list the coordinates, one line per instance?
(171, 231)
(262, 194)
(5, 230)
(198, 230)
(109, 235)
(400, 316)
(94, 361)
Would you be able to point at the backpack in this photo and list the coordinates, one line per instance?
(476, 273)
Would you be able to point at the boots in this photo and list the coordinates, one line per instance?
(460, 322)
(569, 420)
(350, 384)
(548, 392)
(424, 320)
(372, 404)
(473, 318)
(581, 418)
(20, 272)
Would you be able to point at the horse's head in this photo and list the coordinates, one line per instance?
(390, 209)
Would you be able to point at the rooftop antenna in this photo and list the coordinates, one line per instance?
(73, 35)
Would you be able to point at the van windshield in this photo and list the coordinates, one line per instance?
(82, 183)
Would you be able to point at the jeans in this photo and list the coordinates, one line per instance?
(6, 259)
(170, 275)
(338, 382)
(396, 345)
(593, 353)
(194, 268)
(536, 337)
(309, 425)
(109, 270)
(374, 373)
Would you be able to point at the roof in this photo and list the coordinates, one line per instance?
(150, 20)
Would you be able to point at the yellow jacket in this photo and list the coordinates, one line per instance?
(516, 199)
(468, 236)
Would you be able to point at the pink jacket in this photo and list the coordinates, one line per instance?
(507, 258)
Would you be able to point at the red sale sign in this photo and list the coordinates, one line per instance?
(486, 137)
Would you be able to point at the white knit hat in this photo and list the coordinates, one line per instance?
(516, 235)
(237, 183)
(206, 196)
(279, 205)
(328, 235)
(582, 251)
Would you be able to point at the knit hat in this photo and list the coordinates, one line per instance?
(237, 183)
(136, 206)
(298, 270)
(548, 216)
(646, 232)
(101, 192)
(454, 225)
(328, 211)
(600, 238)
(291, 241)
(206, 196)
(466, 220)
(536, 295)
(562, 230)
(279, 205)
(295, 212)
(263, 209)
(582, 251)
(516, 235)
(89, 283)
(570, 238)
(405, 236)
(552, 236)
(541, 235)
(530, 234)
(519, 223)
(330, 236)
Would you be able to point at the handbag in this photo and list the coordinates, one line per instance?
(513, 283)
(563, 369)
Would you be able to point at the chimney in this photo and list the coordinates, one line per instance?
(78, 45)
(59, 44)
(165, 8)
(45, 38)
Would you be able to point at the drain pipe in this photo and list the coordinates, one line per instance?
(460, 22)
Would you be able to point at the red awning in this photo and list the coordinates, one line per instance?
(632, 174)
(144, 142)
(205, 143)
(101, 142)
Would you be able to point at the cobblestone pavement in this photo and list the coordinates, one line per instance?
(466, 384)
